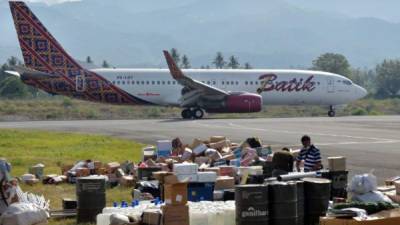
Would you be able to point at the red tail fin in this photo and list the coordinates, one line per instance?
(43, 53)
(40, 49)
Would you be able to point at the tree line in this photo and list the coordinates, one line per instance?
(383, 81)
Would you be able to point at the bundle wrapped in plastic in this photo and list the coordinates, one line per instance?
(362, 184)
(22, 213)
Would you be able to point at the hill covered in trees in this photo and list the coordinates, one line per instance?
(268, 33)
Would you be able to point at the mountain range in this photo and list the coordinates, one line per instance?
(266, 33)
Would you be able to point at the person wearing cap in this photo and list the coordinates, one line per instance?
(282, 162)
(310, 155)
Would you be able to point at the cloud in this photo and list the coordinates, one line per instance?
(52, 2)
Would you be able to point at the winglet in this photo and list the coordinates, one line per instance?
(173, 68)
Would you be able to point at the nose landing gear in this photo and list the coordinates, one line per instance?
(195, 113)
(331, 112)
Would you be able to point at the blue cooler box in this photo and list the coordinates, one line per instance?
(200, 192)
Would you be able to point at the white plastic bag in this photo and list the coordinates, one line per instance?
(23, 214)
(374, 196)
(118, 219)
(362, 184)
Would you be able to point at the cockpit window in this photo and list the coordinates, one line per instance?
(347, 82)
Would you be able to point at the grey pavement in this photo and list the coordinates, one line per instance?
(369, 143)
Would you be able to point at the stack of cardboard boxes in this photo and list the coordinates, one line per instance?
(175, 193)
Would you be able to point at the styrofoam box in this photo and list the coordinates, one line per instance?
(186, 168)
(187, 177)
(164, 145)
(199, 149)
(207, 177)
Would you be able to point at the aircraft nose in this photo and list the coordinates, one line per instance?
(361, 92)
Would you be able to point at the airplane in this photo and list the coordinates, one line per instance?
(50, 68)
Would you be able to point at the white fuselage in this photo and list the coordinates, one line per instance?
(287, 87)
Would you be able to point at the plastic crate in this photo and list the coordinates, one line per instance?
(200, 192)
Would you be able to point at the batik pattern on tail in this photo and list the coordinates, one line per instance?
(42, 52)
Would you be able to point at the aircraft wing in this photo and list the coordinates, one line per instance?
(21, 71)
(191, 84)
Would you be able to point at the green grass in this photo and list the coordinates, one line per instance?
(59, 108)
(26, 148)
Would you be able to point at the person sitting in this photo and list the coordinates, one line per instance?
(282, 162)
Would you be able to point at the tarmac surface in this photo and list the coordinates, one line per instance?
(369, 143)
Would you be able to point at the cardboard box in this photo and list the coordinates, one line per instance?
(212, 169)
(82, 172)
(224, 182)
(227, 171)
(101, 171)
(207, 177)
(31, 181)
(152, 217)
(65, 169)
(220, 144)
(160, 175)
(199, 149)
(175, 215)
(171, 179)
(97, 164)
(175, 194)
(187, 177)
(186, 168)
(215, 139)
(127, 181)
(337, 163)
(201, 160)
(397, 185)
(394, 198)
(196, 142)
(112, 167)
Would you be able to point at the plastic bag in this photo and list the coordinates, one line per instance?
(23, 214)
(375, 196)
(362, 184)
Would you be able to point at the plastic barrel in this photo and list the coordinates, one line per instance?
(91, 198)
(283, 203)
(317, 192)
(251, 204)
(300, 202)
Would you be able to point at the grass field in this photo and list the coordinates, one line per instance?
(26, 148)
(59, 108)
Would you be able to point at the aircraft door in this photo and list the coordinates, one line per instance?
(331, 85)
(80, 83)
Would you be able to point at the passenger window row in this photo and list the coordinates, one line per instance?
(128, 82)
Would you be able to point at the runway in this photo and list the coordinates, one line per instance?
(369, 143)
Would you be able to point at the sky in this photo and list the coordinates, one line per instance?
(51, 2)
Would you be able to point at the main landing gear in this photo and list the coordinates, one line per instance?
(331, 112)
(195, 113)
